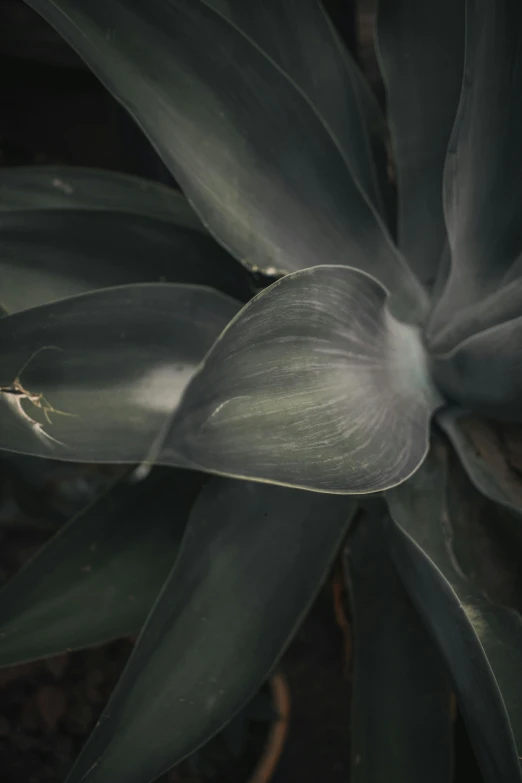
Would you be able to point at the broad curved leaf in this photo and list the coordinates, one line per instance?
(486, 539)
(300, 38)
(116, 361)
(482, 456)
(484, 371)
(45, 494)
(315, 385)
(99, 576)
(500, 306)
(483, 176)
(242, 138)
(52, 254)
(71, 187)
(251, 561)
(480, 640)
(421, 52)
(514, 273)
(374, 122)
(401, 708)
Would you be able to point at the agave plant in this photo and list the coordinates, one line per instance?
(360, 384)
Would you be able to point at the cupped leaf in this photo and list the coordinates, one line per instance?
(240, 134)
(484, 371)
(315, 385)
(251, 561)
(482, 455)
(52, 254)
(480, 640)
(95, 377)
(421, 52)
(98, 578)
(71, 187)
(401, 707)
(483, 175)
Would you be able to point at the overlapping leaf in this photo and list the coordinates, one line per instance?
(484, 371)
(23, 188)
(479, 639)
(251, 561)
(99, 576)
(115, 362)
(50, 254)
(421, 49)
(242, 137)
(483, 176)
(502, 305)
(482, 456)
(315, 384)
(374, 123)
(299, 37)
(401, 708)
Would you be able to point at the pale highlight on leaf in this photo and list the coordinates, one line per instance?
(95, 377)
(314, 385)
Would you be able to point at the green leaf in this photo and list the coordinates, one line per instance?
(71, 187)
(373, 121)
(480, 640)
(482, 456)
(315, 385)
(251, 562)
(514, 272)
(484, 371)
(483, 175)
(486, 540)
(500, 306)
(64, 490)
(421, 52)
(52, 254)
(99, 576)
(116, 361)
(300, 38)
(241, 136)
(401, 708)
